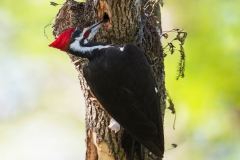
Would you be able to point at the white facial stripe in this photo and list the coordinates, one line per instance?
(85, 41)
(81, 35)
(79, 38)
(75, 46)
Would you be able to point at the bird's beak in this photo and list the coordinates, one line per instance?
(94, 28)
(99, 24)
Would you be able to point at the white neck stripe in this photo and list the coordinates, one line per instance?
(75, 46)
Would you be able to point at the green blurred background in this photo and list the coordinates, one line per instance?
(42, 108)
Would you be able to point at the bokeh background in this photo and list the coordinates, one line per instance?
(42, 107)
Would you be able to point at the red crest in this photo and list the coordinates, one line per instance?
(63, 40)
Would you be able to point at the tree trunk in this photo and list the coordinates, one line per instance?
(125, 16)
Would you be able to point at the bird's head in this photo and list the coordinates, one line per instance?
(76, 36)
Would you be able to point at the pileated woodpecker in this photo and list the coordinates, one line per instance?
(121, 79)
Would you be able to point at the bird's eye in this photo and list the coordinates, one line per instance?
(77, 32)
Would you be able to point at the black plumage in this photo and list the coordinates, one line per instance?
(123, 83)
(122, 80)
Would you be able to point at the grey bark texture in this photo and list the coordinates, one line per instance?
(125, 16)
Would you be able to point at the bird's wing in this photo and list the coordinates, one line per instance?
(124, 85)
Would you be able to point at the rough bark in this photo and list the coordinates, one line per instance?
(101, 142)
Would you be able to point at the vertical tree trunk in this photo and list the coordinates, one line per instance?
(125, 16)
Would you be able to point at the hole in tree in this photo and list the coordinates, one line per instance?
(105, 17)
